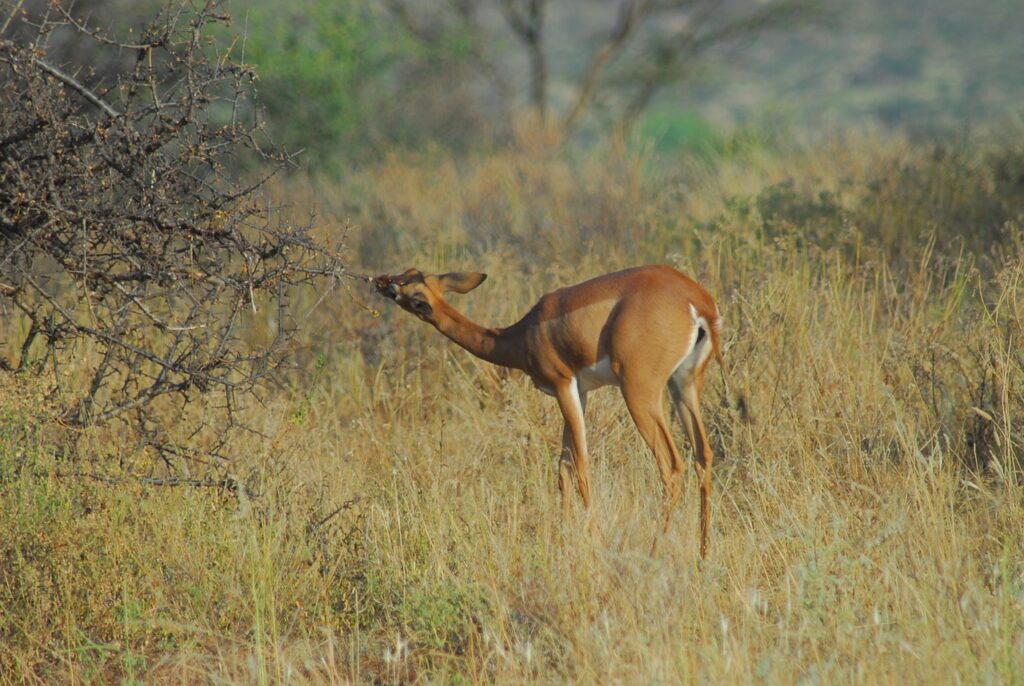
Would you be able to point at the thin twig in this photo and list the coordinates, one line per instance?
(75, 85)
(347, 505)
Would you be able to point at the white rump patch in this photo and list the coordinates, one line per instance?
(697, 351)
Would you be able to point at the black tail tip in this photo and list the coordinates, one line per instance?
(744, 409)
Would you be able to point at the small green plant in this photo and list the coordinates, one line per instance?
(305, 403)
(442, 617)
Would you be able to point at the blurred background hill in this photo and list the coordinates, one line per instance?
(926, 64)
(346, 80)
(354, 74)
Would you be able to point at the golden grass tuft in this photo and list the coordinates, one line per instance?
(404, 524)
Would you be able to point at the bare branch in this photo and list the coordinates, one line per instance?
(10, 17)
(467, 13)
(528, 26)
(666, 60)
(76, 86)
(630, 13)
(401, 12)
(230, 484)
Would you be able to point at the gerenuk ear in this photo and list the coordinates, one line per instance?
(461, 282)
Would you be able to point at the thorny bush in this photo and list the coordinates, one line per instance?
(154, 289)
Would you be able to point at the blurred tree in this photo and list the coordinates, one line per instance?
(646, 46)
(342, 79)
(315, 59)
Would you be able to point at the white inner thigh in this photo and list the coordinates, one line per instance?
(597, 375)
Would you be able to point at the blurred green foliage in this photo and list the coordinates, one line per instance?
(680, 130)
(342, 80)
(316, 60)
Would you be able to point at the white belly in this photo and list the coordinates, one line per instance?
(587, 379)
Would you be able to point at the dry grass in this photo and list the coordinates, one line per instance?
(407, 528)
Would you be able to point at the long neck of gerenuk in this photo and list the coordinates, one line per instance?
(503, 347)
